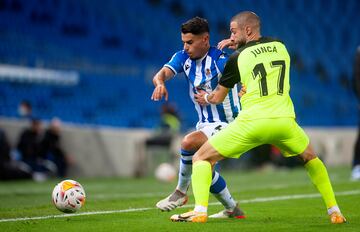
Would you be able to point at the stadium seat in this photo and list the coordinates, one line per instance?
(115, 47)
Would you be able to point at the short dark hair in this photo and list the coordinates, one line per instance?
(195, 26)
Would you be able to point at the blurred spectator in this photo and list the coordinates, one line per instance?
(11, 169)
(155, 2)
(344, 80)
(177, 8)
(321, 72)
(51, 148)
(266, 154)
(355, 175)
(168, 128)
(259, 156)
(297, 62)
(280, 161)
(29, 145)
(25, 109)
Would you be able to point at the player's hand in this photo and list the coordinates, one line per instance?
(242, 91)
(159, 92)
(200, 97)
(227, 43)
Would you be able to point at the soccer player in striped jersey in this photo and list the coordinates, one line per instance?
(202, 66)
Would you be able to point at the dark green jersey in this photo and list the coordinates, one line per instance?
(263, 67)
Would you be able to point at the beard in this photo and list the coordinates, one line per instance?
(241, 43)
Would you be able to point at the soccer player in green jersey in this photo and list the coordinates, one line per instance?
(262, 65)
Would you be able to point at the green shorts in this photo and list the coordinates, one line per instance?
(242, 135)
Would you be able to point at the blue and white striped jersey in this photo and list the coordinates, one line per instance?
(204, 73)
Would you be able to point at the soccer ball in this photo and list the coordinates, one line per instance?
(68, 196)
(165, 172)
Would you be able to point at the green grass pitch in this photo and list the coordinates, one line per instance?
(273, 200)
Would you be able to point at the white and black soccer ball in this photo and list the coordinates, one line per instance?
(68, 196)
(165, 172)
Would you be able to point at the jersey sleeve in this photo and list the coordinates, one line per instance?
(231, 74)
(176, 63)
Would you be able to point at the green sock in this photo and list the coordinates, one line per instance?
(320, 178)
(201, 181)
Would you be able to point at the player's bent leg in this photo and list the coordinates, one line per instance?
(203, 161)
(320, 178)
(190, 143)
(179, 198)
(201, 181)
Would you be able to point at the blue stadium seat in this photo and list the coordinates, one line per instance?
(141, 41)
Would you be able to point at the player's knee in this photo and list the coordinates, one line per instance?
(188, 144)
(203, 155)
(308, 154)
(199, 157)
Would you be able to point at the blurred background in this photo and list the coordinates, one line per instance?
(90, 64)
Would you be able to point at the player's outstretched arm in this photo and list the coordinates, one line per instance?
(159, 79)
(215, 97)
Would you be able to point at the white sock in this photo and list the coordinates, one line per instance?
(200, 209)
(185, 171)
(226, 199)
(333, 209)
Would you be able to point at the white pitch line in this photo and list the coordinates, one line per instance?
(74, 215)
(255, 200)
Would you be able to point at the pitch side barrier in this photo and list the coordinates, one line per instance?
(105, 151)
